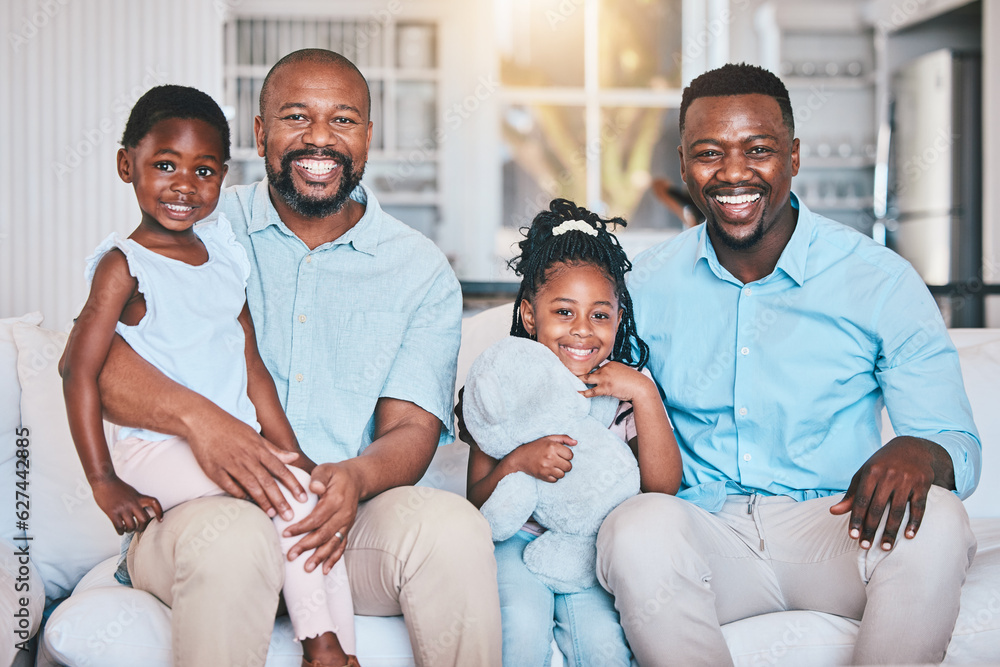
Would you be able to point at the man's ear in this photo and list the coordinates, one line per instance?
(795, 157)
(124, 166)
(680, 154)
(259, 136)
(528, 317)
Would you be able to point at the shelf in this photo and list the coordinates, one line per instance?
(841, 204)
(862, 82)
(836, 162)
(245, 154)
(386, 198)
(414, 155)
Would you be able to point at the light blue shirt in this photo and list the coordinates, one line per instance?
(375, 313)
(777, 386)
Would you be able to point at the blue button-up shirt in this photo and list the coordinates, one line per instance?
(777, 386)
(377, 312)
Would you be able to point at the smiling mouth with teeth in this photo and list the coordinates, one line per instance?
(577, 352)
(178, 208)
(317, 167)
(738, 199)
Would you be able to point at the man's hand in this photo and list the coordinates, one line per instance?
(901, 472)
(547, 459)
(331, 519)
(233, 455)
(243, 463)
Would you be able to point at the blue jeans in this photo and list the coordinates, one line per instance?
(585, 624)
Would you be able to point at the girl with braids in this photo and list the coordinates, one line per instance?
(574, 301)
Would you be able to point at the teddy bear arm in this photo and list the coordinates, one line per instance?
(511, 504)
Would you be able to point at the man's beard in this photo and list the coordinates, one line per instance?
(305, 205)
(732, 242)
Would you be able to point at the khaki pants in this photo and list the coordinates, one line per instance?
(678, 572)
(421, 552)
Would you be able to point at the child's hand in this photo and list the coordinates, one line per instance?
(616, 379)
(128, 509)
(547, 459)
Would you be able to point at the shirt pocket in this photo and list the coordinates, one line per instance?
(368, 343)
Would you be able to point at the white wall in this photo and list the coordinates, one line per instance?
(71, 70)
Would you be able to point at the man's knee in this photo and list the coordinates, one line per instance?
(229, 541)
(644, 523)
(447, 523)
(945, 533)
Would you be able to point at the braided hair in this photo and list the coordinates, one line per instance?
(541, 249)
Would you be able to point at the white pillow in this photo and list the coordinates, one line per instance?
(22, 599)
(979, 353)
(479, 331)
(111, 625)
(10, 420)
(70, 533)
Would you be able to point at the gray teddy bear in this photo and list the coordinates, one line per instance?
(518, 391)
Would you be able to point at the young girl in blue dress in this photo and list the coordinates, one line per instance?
(177, 295)
(573, 300)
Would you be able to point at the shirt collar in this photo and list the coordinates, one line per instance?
(362, 237)
(793, 258)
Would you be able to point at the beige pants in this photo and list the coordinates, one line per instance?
(678, 572)
(421, 552)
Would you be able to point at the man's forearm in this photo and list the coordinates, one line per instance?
(405, 440)
(135, 393)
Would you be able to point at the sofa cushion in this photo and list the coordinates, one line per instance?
(22, 601)
(976, 640)
(112, 625)
(70, 533)
(10, 418)
(979, 354)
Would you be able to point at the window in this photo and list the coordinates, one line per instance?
(590, 99)
(589, 89)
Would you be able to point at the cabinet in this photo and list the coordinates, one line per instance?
(398, 57)
(825, 55)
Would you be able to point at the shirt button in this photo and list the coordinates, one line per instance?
(743, 411)
(747, 457)
(745, 351)
(747, 291)
(302, 318)
(298, 378)
(309, 259)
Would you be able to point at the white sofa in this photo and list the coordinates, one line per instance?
(74, 549)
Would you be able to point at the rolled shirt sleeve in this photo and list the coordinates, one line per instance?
(921, 379)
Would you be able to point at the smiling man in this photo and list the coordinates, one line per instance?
(776, 335)
(358, 319)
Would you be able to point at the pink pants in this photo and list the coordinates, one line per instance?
(168, 471)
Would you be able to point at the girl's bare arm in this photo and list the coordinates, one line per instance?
(547, 459)
(274, 424)
(654, 445)
(86, 351)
